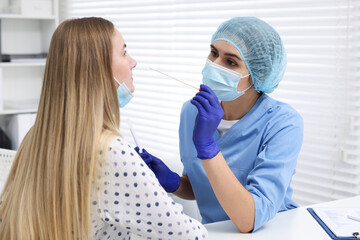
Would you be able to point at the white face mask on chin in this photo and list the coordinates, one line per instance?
(124, 94)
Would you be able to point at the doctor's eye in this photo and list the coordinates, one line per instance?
(213, 53)
(231, 62)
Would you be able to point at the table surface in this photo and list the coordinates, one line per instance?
(295, 224)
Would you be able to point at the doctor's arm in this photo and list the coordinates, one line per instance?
(249, 206)
(185, 190)
(236, 201)
(252, 205)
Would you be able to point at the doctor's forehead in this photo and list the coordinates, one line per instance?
(226, 48)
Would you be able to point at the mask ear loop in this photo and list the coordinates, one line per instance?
(116, 80)
(252, 84)
(247, 88)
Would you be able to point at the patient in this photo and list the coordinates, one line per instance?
(74, 176)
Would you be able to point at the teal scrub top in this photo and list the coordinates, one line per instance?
(261, 149)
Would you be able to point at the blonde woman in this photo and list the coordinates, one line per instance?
(74, 176)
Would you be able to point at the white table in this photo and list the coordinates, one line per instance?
(295, 224)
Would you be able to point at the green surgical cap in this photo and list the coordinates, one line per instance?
(261, 48)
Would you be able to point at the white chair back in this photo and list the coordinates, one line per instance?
(6, 159)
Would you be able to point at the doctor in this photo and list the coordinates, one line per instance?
(238, 145)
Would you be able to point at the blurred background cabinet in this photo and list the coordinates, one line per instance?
(26, 27)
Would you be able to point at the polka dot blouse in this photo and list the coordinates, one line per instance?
(129, 201)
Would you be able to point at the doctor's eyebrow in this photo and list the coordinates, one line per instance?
(233, 55)
(227, 54)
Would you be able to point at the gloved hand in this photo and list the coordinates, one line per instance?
(209, 116)
(168, 179)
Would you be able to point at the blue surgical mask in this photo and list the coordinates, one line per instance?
(222, 81)
(124, 94)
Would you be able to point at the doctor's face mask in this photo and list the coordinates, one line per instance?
(222, 81)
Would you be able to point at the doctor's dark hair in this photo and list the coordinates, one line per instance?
(47, 194)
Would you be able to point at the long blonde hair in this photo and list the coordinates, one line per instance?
(47, 194)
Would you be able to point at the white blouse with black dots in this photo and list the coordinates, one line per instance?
(130, 201)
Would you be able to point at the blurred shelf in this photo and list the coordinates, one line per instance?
(19, 16)
(17, 111)
(23, 64)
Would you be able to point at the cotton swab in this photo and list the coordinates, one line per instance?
(134, 135)
(175, 79)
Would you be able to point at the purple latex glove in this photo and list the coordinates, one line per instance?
(168, 179)
(207, 120)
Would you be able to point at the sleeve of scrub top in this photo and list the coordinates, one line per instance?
(274, 166)
(137, 202)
